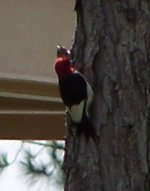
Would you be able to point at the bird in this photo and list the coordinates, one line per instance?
(75, 91)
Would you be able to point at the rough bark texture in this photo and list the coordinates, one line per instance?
(112, 49)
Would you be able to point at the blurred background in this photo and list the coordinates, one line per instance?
(30, 31)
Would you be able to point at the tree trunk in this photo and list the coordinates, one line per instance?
(112, 50)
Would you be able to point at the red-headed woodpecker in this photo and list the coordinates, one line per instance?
(75, 92)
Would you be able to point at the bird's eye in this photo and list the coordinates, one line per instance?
(68, 52)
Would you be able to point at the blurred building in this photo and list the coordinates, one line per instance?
(30, 31)
(30, 107)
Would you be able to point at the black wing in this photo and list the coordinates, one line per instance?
(73, 89)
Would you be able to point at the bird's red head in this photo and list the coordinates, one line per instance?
(62, 62)
(62, 65)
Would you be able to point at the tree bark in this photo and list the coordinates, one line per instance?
(112, 49)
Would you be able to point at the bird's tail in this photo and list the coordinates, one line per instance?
(85, 127)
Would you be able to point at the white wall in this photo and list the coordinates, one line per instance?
(29, 33)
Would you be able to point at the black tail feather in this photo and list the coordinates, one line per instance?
(86, 128)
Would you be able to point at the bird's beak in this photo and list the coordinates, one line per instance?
(59, 50)
(59, 47)
(62, 51)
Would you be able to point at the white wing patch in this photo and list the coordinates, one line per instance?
(76, 112)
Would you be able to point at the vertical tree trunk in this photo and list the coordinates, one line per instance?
(112, 49)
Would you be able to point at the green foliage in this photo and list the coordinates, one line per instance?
(3, 161)
(43, 164)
